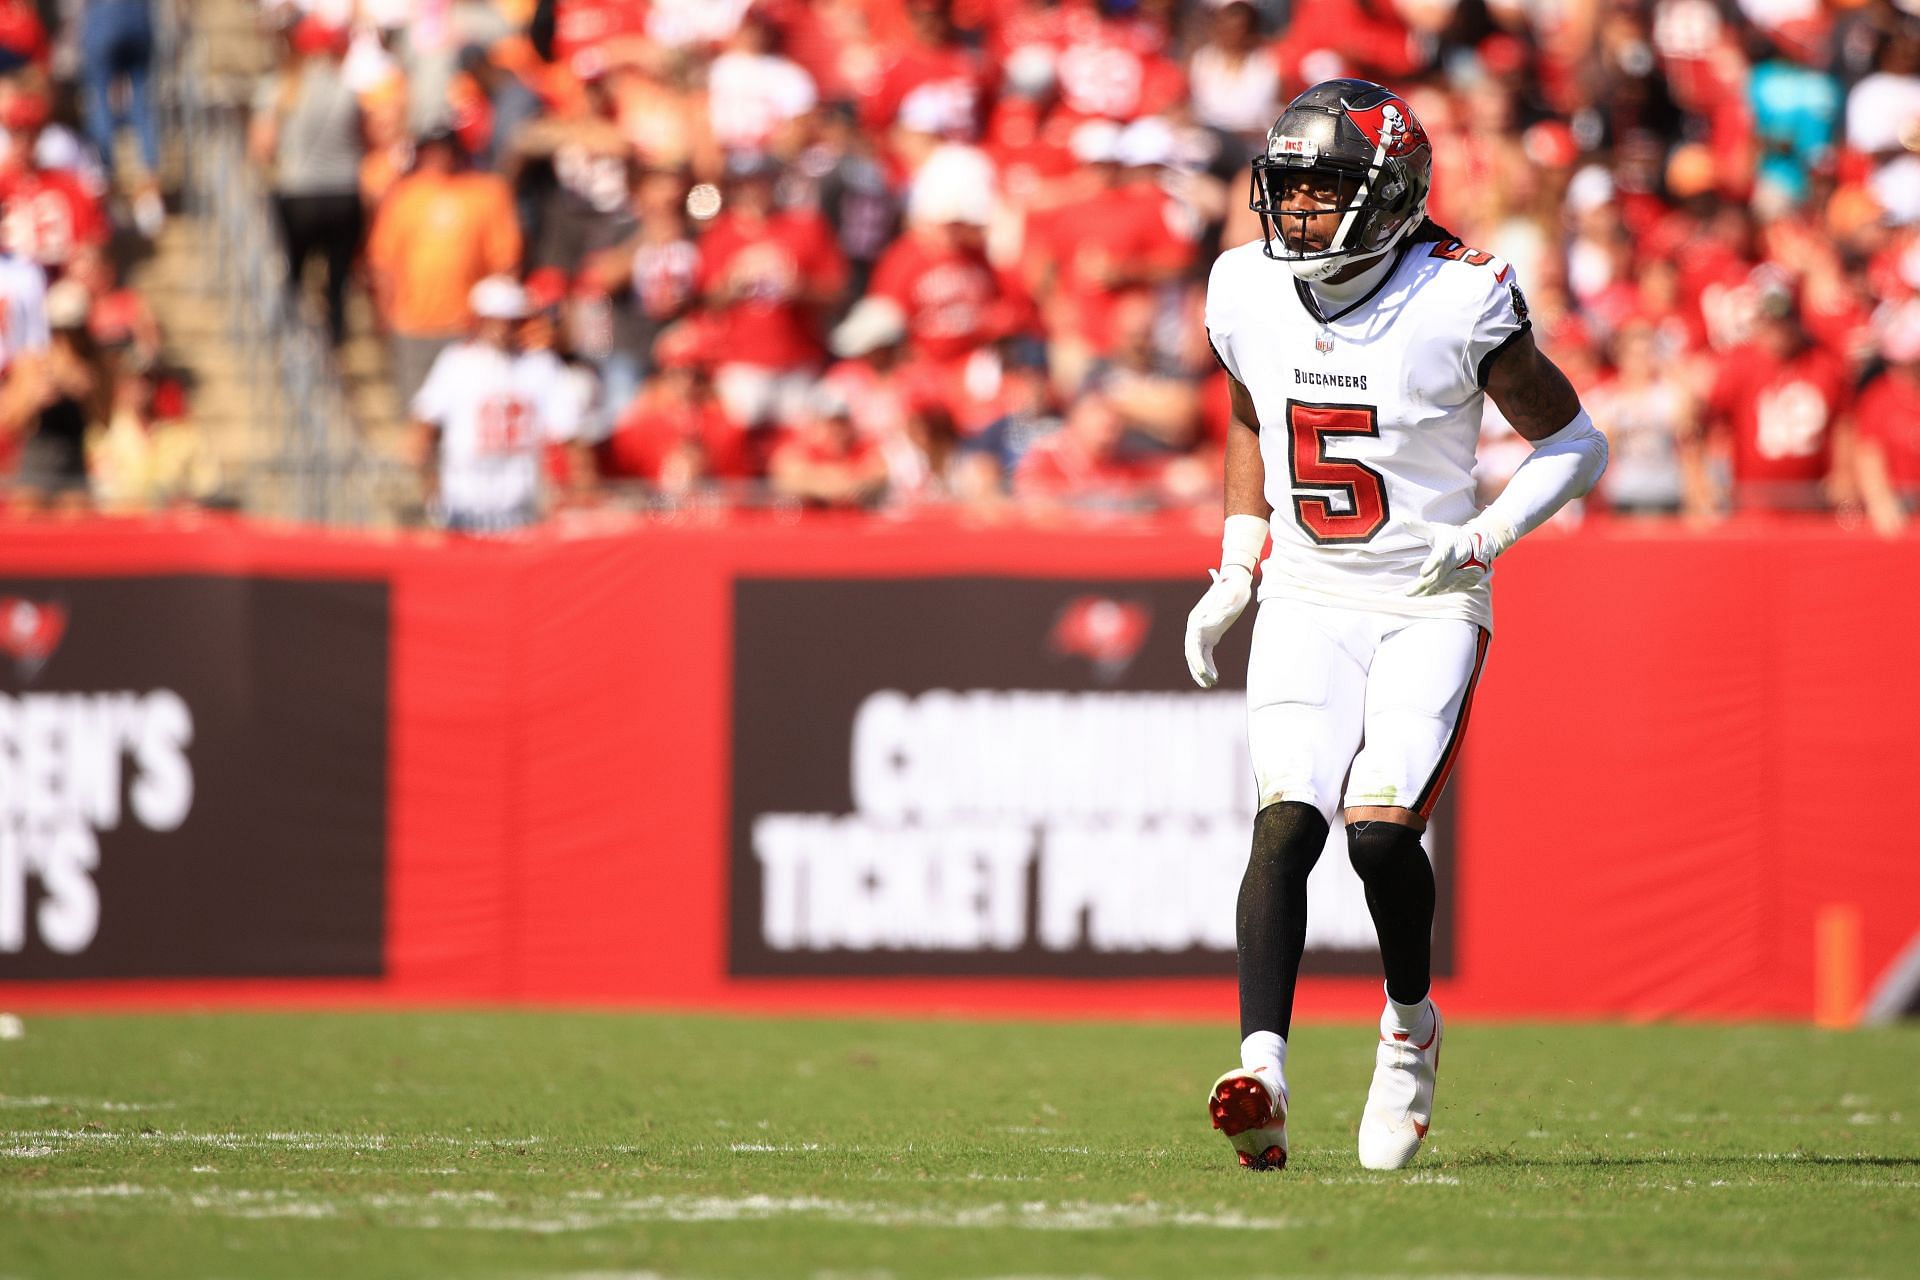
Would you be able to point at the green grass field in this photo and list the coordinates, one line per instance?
(615, 1145)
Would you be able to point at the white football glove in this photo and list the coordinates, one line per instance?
(1218, 610)
(1461, 558)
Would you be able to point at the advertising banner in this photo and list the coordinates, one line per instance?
(193, 775)
(998, 776)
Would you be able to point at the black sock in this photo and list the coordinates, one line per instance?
(1287, 839)
(1399, 882)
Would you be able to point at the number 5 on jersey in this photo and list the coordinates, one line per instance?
(1308, 428)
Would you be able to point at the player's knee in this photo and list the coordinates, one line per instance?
(1384, 850)
(1287, 839)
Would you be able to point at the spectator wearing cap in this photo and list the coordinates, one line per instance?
(1126, 236)
(51, 400)
(486, 417)
(48, 211)
(768, 274)
(938, 273)
(307, 133)
(674, 434)
(438, 233)
(824, 463)
(1887, 454)
(116, 48)
(870, 372)
(545, 346)
(1777, 412)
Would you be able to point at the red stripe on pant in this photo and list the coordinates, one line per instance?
(1430, 795)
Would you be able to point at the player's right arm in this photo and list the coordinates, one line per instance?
(1243, 538)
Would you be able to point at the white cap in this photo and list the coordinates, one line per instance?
(1146, 141)
(67, 305)
(1096, 142)
(873, 323)
(955, 184)
(498, 298)
(1589, 189)
(1029, 71)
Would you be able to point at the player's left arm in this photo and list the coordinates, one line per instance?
(1569, 453)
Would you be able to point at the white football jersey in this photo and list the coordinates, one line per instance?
(1368, 418)
(497, 412)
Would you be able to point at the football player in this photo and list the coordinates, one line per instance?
(1361, 341)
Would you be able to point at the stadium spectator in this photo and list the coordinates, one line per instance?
(51, 399)
(768, 274)
(1645, 410)
(144, 458)
(1235, 78)
(938, 273)
(49, 210)
(1083, 463)
(307, 133)
(741, 170)
(116, 50)
(1157, 399)
(486, 416)
(1777, 412)
(872, 374)
(23, 37)
(674, 433)
(755, 95)
(1888, 450)
(439, 232)
(644, 278)
(826, 464)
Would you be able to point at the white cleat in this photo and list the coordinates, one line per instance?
(1250, 1107)
(1400, 1101)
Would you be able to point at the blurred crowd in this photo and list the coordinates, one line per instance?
(91, 414)
(892, 254)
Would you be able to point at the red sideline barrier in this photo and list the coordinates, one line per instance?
(1678, 760)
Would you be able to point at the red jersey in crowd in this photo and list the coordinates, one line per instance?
(949, 293)
(936, 88)
(759, 274)
(1127, 229)
(656, 424)
(579, 25)
(48, 213)
(1781, 413)
(1061, 466)
(1888, 412)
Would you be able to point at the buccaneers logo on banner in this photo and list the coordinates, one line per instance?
(29, 633)
(997, 776)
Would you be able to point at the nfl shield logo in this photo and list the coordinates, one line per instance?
(1324, 343)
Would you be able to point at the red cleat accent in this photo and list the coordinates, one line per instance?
(1240, 1105)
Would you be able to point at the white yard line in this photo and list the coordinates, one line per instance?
(489, 1211)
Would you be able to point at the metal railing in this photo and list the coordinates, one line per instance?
(312, 463)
